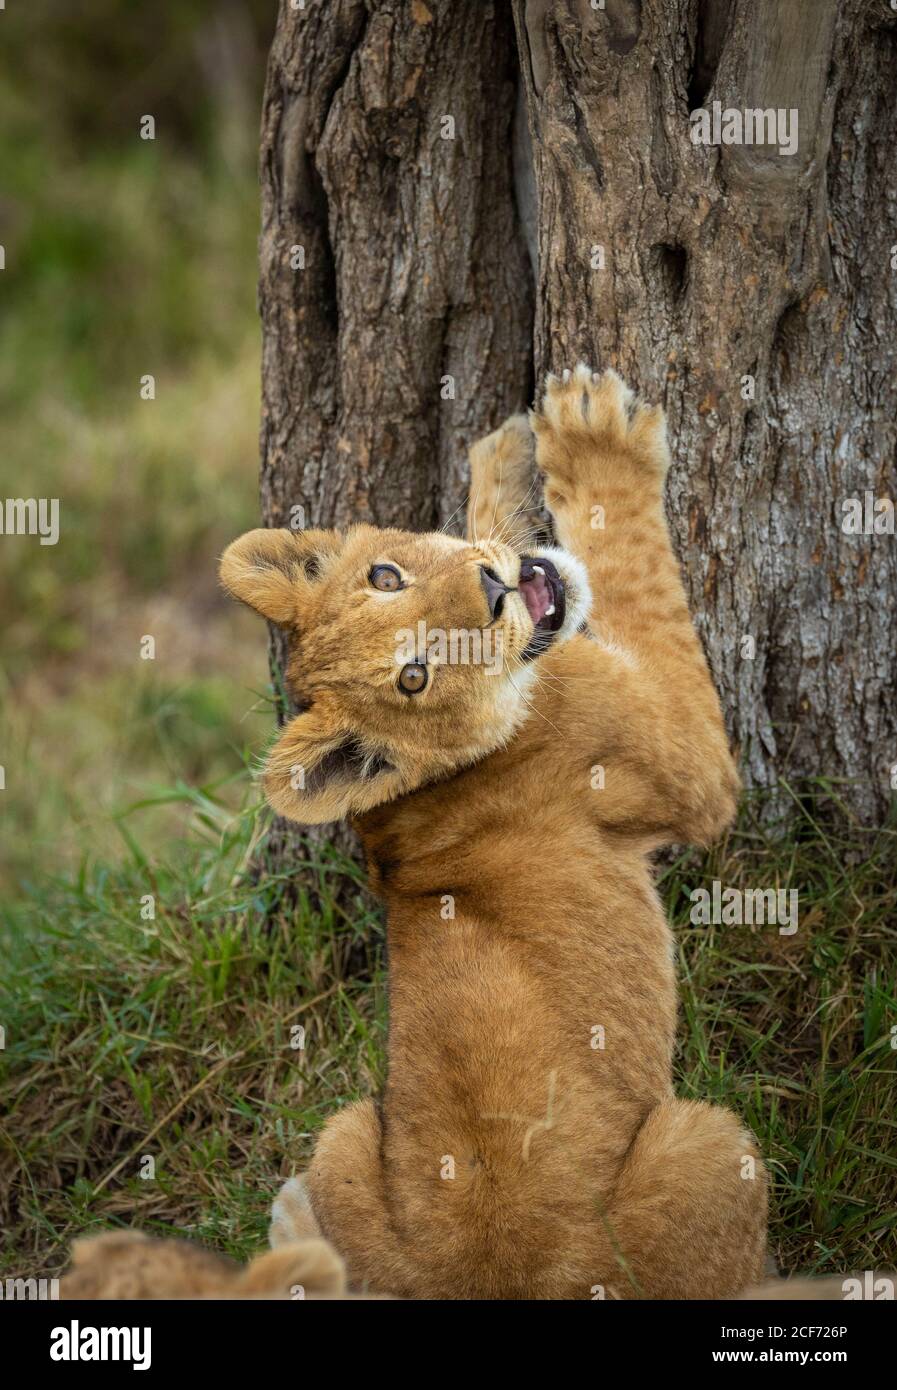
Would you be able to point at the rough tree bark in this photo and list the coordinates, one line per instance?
(733, 262)
(427, 211)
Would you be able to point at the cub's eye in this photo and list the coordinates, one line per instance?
(413, 678)
(385, 578)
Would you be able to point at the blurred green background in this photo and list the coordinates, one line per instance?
(125, 257)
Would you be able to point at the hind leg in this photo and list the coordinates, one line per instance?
(688, 1214)
(343, 1194)
(292, 1218)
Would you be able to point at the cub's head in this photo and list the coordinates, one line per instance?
(410, 656)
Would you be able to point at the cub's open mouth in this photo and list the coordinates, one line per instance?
(542, 590)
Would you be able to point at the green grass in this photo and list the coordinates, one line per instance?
(798, 1032)
(171, 1037)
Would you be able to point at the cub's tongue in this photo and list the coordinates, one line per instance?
(536, 594)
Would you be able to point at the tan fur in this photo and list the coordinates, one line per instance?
(124, 1265)
(512, 1155)
(129, 1265)
(504, 492)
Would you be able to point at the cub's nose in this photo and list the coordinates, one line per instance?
(494, 590)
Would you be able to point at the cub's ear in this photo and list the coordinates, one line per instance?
(318, 771)
(272, 571)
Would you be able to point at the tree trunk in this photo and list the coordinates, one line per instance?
(722, 264)
(386, 157)
(406, 213)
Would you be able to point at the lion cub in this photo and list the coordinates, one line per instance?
(528, 1143)
(126, 1265)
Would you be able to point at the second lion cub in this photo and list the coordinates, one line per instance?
(527, 1143)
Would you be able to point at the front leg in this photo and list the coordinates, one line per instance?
(505, 498)
(604, 457)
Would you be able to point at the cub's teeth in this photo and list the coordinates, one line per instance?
(538, 569)
(549, 611)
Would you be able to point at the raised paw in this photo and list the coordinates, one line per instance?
(591, 424)
(291, 1215)
(504, 495)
